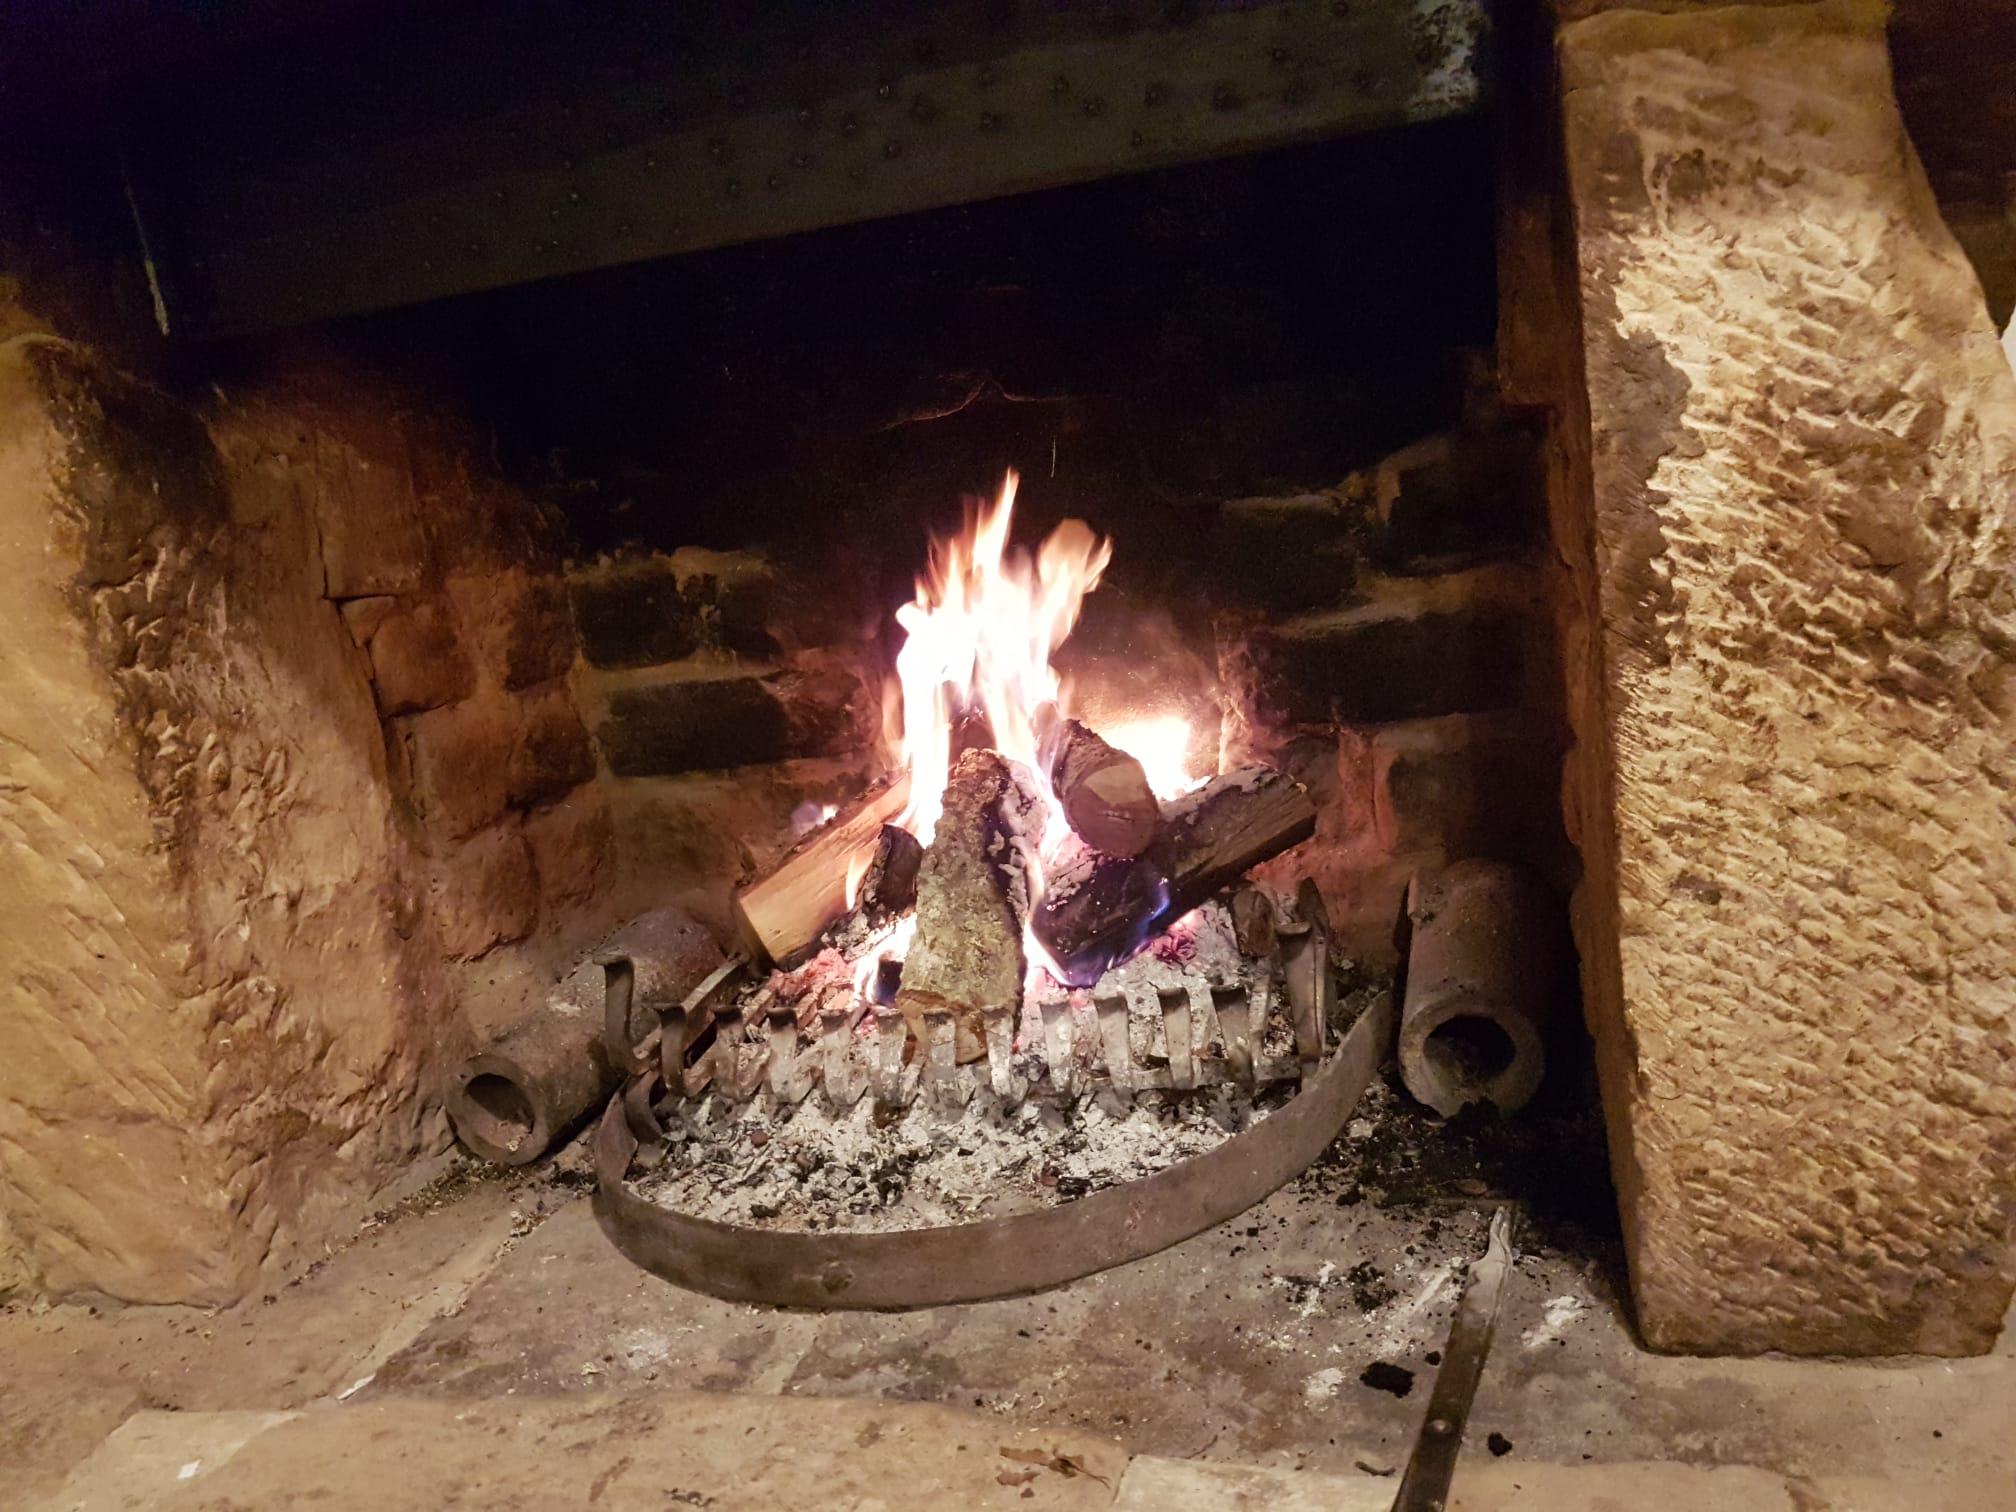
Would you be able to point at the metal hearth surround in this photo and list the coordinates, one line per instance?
(454, 148)
(1001, 1257)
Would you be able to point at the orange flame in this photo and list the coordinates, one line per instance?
(979, 636)
(978, 639)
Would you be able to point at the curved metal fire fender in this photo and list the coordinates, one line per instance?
(1000, 1257)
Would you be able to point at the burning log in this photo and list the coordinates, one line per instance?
(1101, 910)
(967, 955)
(889, 890)
(786, 912)
(1104, 792)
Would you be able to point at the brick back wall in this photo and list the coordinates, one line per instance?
(724, 691)
(450, 586)
(1389, 640)
(1387, 636)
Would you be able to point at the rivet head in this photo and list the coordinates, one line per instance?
(801, 160)
(1094, 106)
(717, 149)
(849, 126)
(892, 148)
(804, 115)
(554, 213)
(567, 163)
(885, 90)
(623, 228)
(1134, 138)
(651, 162)
(989, 121)
(734, 188)
(573, 196)
(775, 181)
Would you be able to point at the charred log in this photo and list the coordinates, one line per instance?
(1104, 792)
(971, 892)
(890, 889)
(1101, 910)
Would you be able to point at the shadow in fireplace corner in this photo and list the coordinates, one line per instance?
(1550, 1161)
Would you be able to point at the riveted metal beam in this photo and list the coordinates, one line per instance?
(485, 148)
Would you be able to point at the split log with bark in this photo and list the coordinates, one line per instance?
(783, 915)
(972, 895)
(1101, 909)
(1103, 791)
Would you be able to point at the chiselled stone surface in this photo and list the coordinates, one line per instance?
(1805, 464)
(215, 1021)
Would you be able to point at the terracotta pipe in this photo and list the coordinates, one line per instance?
(1481, 981)
(543, 1077)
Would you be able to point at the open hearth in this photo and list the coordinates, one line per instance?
(1223, 690)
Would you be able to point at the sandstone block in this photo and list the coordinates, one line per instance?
(216, 1028)
(362, 490)
(1293, 552)
(549, 752)
(573, 844)
(1419, 648)
(634, 614)
(538, 634)
(1459, 499)
(473, 760)
(484, 891)
(418, 660)
(702, 724)
(1796, 924)
(457, 760)
(1471, 785)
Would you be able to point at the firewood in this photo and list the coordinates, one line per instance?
(783, 915)
(889, 890)
(967, 954)
(1104, 792)
(1101, 911)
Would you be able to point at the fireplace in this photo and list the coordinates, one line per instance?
(957, 653)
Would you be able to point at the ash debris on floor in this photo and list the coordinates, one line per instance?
(1434, 1182)
(1549, 1160)
(1383, 1375)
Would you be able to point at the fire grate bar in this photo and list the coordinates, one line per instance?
(891, 1272)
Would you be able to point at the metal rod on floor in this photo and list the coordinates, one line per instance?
(1425, 1486)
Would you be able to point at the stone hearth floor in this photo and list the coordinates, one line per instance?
(493, 1309)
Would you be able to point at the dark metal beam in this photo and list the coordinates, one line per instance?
(495, 146)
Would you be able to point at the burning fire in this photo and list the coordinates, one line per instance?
(978, 640)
